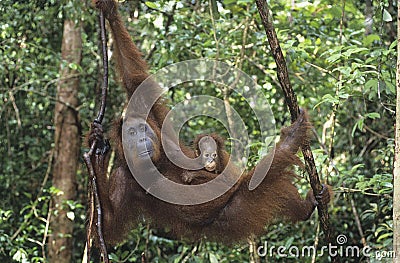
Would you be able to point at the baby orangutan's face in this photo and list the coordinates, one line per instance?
(208, 152)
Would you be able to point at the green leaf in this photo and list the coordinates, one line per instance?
(352, 51)
(334, 58)
(368, 40)
(213, 258)
(390, 88)
(228, 2)
(384, 236)
(152, 5)
(359, 124)
(329, 99)
(393, 45)
(355, 167)
(373, 115)
(289, 242)
(387, 184)
(335, 11)
(20, 255)
(372, 83)
(73, 66)
(387, 17)
(344, 96)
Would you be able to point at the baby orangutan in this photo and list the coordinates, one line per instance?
(210, 152)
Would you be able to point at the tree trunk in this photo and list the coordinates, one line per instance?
(396, 170)
(67, 144)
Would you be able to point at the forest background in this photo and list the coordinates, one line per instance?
(341, 57)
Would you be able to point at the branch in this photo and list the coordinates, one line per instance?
(291, 101)
(94, 200)
(100, 115)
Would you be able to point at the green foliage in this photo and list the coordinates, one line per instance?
(30, 37)
(343, 77)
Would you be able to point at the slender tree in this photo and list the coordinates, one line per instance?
(67, 144)
(396, 171)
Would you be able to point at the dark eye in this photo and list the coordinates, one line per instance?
(132, 131)
(142, 128)
(214, 155)
(206, 155)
